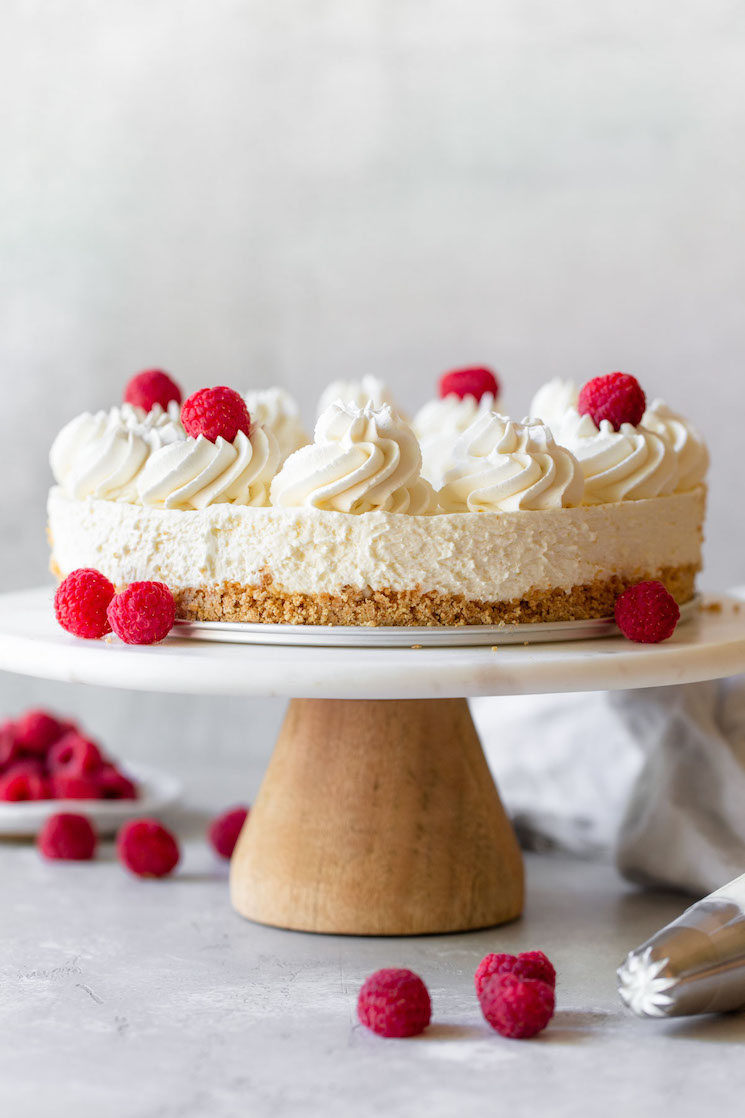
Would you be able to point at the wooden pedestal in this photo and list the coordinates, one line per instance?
(378, 817)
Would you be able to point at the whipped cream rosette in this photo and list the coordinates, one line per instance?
(632, 463)
(101, 454)
(197, 472)
(369, 392)
(439, 424)
(362, 459)
(689, 447)
(275, 409)
(553, 400)
(505, 466)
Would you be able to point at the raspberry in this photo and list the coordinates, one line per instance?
(10, 750)
(534, 964)
(36, 731)
(67, 836)
(152, 387)
(394, 1002)
(517, 1007)
(476, 381)
(492, 964)
(114, 785)
(24, 781)
(224, 830)
(143, 613)
(617, 397)
(68, 786)
(215, 412)
(146, 848)
(81, 602)
(74, 755)
(647, 613)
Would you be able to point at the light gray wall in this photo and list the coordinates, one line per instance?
(289, 191)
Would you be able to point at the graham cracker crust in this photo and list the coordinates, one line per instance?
(270, 604)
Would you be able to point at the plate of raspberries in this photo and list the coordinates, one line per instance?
(48, 761)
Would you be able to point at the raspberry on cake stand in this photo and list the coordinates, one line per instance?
(378, 814)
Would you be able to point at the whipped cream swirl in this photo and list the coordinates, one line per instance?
(274, 408)
(689, 447)
(369, 392)
(101, 454)
(501, 465)
(440, 423)
(553, 400)
(362, 459)
(629, 464)
(197, 472)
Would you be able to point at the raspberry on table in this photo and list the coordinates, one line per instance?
(394, 1002)
(647, 613)
(66, 836)
(147, 849)
(492, 964)
(617, 397)
(528, 964)
(75, 755)
(223, 831)
(24, 781)
(81, 602)
(144, 613)
(473, 381)
(37, 730)
(517, 1007)
(151, 387)
(214, 413)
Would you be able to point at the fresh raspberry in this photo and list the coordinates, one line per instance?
(617, 397)
(114, 785)
(144, 613)
(68, 786)
(152, 387)
(394, 1002)
(36, 731)
(81, 602)
(10, 750)
(647, 613)
(224, 830)
(215, 412)
(24, 781)
(74, 755)
(476, 381)
(146, 848)
(534, 964)
(517, 1007)
(490, 965)
(68, 837)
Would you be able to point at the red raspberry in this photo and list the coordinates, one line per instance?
(215, 412)
(67, 836)
(10, 750)
(224, 830)
(490, 965)
(476, 381)
(152, 387)
(146, 848)
(517, 1007)
(74, 755)
(647, 613)
(81, 602)
(24, 781)
(617, 397)
(114, 785)
(68, 786)
(534, 964)
(394, 1002)
(36, 731)
(144, 613)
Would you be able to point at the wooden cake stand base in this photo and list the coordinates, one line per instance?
(378, 817)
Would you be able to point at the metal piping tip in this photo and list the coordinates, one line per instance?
(642, 985)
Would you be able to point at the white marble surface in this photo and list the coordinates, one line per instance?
(138, 999)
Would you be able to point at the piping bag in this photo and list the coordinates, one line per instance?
(694, 965)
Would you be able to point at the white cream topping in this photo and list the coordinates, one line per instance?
(196, 472)
(369, 392)
(502, 465)
(438, 425)
(101, 454)
(553, 400)
(275, 408)
(362, 459)
(629, 464)
(690, 449)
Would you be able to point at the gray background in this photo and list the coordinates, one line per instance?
(253, 192)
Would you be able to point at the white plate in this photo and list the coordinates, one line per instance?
(404, 636)
(157, 791)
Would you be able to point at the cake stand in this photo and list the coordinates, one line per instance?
(378, 814)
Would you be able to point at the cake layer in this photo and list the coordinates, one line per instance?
(574, 558)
